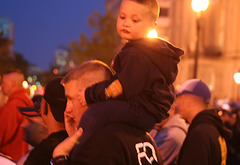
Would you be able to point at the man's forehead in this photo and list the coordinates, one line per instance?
(70, 84)
(71, 88)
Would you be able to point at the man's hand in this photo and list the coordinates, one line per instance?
(66, 146)
(81, 97)
(114, 89)
(70, 123)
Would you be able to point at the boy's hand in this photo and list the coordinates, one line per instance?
(81, 97)
(66, 146)
(114, 89)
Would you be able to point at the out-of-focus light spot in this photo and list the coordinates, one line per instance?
(55, 71)
(34, 77)
(41, 90)
(34, 87)
(71, 63)
(31, 92)
(220, 113)
(152, 34)
(236, 77)
(29, 79)
(37, 83)
(25, 84)
(199, 5)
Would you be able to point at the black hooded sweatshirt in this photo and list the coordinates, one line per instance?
(205, 142)
(146, 69)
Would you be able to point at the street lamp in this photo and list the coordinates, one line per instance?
(198, 6)
(236, 77)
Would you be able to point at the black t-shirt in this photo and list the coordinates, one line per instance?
(117, 144)
(42, 153)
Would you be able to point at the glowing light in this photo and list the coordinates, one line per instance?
(38, 83)
(55, 71)
(29, 79)
(34, 77)
(199, 5)
(152, 34)
(25, 84)
(236, 77)
(34, 87)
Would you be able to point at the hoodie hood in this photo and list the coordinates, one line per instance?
(211, 117)
(164, 55)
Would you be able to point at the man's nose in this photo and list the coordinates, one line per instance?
(68, 107)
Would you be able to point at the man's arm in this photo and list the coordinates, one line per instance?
(71, 124)
(62, 152)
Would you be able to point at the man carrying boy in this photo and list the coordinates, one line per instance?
(112, 144)
(141, 92)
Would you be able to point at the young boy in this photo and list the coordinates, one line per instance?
(141, 91)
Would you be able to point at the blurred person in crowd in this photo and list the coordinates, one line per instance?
(53, 105)
(228, 118)
(34, 130)
(11, 133)
(169, 136)
(112, 144)
(3, 97)
(233, 144)
(205, 142)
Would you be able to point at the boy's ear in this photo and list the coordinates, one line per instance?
(154, 25)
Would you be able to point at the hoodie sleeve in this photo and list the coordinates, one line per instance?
(96, 92)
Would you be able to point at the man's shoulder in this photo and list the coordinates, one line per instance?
(123, 144)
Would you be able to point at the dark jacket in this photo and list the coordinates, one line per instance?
(205, 142)
(117, 144)
(42, 153)
(146, 68)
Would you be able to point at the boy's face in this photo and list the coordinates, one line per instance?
(134, 20)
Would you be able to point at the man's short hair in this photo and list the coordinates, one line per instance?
(88, 71)
(152, 5)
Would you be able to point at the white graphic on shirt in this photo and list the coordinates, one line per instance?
(142, 149)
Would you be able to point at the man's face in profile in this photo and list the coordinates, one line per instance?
(74, 108)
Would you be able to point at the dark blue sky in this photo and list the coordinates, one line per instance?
(42, 26)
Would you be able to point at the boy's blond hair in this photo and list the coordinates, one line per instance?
(152, 5)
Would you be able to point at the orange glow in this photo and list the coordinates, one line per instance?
(237, 77)
(199, 5)
(152, 34)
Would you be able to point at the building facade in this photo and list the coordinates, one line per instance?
(219, 44)
(219, 41)
(6, 31)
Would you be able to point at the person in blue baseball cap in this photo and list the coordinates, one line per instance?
(206, 134)
(34, 129)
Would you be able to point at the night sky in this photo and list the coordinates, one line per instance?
(42, 26)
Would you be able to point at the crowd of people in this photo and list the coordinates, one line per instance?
(129, 113)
